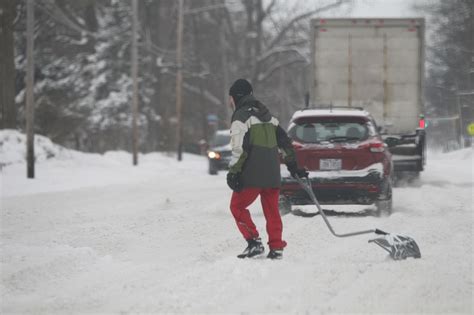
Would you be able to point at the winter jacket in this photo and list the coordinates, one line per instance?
(256, 137)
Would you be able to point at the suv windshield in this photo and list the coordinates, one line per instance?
(220, 140)
(316, 130)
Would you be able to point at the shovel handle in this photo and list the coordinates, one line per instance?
(307, 187)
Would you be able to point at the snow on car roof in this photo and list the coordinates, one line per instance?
(330, 112)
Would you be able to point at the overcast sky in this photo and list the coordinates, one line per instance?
(383, 8)
(361, 8)
(367, 8)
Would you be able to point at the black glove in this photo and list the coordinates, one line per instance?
(294, 170)
(234, 181)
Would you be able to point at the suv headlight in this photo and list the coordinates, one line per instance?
(213, 155)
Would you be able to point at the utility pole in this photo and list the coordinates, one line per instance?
(179, 80)
(135, 81)
(225, 73)
(197, 58)
(30, 101)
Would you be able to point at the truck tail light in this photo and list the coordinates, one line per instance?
(377, 147)
(421, 123)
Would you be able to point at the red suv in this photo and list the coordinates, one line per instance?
(347, 160)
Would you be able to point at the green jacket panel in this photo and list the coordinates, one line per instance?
(255, 139)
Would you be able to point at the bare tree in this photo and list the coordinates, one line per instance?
(275, 51)
(450, 82)
(83, 59)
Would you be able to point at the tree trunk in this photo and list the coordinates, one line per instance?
(7, 64)
(202, 108)
(249, 36)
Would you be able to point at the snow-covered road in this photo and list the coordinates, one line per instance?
(159, 238)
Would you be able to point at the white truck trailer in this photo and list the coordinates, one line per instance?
(376, 64)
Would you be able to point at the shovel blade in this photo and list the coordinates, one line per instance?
(398, 246)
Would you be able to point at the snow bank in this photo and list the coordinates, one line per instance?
(462, 154)
(13, 148)
(62, 169)
(452, 167)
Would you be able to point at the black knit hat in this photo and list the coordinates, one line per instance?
(239, 89)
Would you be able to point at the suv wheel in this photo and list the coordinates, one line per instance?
(212, 169)
(384, 206)
(284, 205)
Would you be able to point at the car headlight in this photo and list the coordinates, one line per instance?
(213, 155)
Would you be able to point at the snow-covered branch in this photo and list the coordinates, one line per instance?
(280, 50)
(198, 90)
(303, 16)
(208, 95)
(264, 76)
(55, 12)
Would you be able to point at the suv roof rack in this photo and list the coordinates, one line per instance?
(330, 107)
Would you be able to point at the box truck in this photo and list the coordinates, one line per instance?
(376, 64)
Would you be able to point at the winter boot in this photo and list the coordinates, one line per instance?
(254, 248)
(275, 254)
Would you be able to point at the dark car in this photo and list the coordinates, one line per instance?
(347, 160)
(219, 152)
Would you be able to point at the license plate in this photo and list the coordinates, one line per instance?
(330, 164)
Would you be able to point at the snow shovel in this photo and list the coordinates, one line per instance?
(398, 246)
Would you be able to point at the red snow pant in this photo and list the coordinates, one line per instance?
(269, 198)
